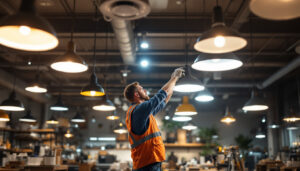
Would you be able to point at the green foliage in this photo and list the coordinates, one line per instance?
(243, 142)
(206, 134)
(171, 126)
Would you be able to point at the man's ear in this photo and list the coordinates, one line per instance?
(136, 94)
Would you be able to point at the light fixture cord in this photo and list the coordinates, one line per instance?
(95, 34)
(73, 19)
(217, 2)
(298, 92)
(251, 48)
(185, 37)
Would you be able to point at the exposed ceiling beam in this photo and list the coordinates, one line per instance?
(242, 15)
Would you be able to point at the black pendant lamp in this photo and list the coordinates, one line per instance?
(255, 103)
(12, 104)
(36, 86)
(188, 84)
(28, 118)
(26, 30)
(220, 38)
(70, 62)
(78, 118)
(120, 129)
(93, 88)
(59, 105)
(105, 105)
(113, 116)
(52, 121)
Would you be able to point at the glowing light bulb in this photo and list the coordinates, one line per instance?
(24, 30)
(219, 41)
(93, 93)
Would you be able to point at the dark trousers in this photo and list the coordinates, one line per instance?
(151, 167)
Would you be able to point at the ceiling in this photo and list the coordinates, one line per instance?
(167, 32)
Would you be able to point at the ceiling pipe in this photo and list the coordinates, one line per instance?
(124, 34)
(279, 74)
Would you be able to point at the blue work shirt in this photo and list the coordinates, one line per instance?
(140, 114)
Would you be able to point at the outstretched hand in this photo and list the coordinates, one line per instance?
(178, 73)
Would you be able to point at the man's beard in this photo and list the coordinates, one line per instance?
(143, 97)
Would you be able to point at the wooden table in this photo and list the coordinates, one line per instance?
(290, 168)
(8, 169)
(47, 168)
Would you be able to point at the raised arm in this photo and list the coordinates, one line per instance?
(169, 86)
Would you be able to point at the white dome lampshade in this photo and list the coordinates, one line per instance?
(216, 62)
(276, 9)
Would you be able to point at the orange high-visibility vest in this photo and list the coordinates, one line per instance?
(147, 148)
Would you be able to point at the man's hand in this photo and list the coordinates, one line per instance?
(178, 73)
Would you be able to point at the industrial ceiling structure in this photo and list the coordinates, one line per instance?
(171, 32)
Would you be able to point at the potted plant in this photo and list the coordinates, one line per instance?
(171, 128)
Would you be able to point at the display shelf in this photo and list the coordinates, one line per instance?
(186, 145)
(40, 131)
(17, 150)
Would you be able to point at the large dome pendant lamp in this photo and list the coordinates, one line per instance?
(216, 62)
(78, 118)
(228, 118)
(113, 116)
(26, 30)
(276, 9)
(93, 88)
(120, 129)
(70, 62)
(185, 109)
(255, 103)
(4, 117)
(219, 39)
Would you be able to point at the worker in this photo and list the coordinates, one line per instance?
(147, 148)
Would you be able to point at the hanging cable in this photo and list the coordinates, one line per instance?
(95, 34)
(73, 19)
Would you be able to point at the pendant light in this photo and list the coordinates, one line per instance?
(260, 134)
(93, 119)
(105, 105)
(255, 103)
(93, 88)
(70, 62)
(26, 30)
(59, 106)
(274, 125)
(52, 120)
(204, 96)
(113, 116)
(219, 39)
(181, 118)
(189, 127)
(292, 116)
(4, 116)
(68, 134)
(188, 84)
(12, 104)
(228, 118)
(185, 109)
(292, 126)
(78, 118)
(36, 87)
(276, 9)
(28, 118)
(216, 62)
(120, 129)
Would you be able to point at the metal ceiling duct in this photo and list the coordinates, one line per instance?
(119, 13)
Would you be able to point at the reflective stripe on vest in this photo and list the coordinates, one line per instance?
(146, 138)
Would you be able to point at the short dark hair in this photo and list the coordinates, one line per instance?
(129, 91)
